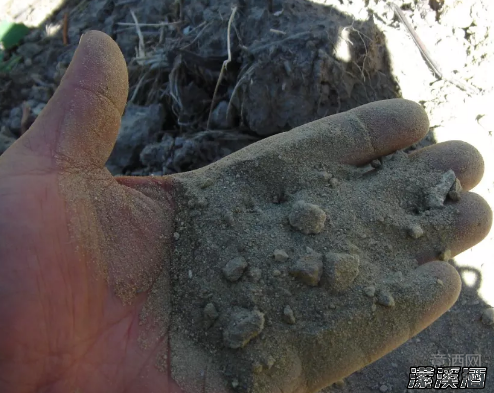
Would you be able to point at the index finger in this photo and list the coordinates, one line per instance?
(365, 133)
(354, 137)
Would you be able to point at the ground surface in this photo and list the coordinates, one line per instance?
(299, 62)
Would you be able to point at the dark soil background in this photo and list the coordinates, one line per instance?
(290, 62)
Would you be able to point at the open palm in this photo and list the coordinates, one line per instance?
(80, 249)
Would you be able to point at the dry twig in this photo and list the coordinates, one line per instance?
(182, 6)
(162, 24)
(65, 30)
(141, 50)
(225, 64)
(277, 32)
(173, 87)
(197, 36)
(469, 89)
(361, 35)
(240, 82)
(138, 86)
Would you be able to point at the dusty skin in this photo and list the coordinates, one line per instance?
(284, 267)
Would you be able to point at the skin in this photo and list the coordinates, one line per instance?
(66, 250)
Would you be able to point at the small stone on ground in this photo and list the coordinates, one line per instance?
(234, 269)
(243, 326)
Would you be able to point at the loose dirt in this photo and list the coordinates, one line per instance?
(278, 276)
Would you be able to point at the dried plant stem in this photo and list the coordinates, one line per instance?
(225, 64)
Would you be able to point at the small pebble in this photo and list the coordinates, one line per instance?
(210, 315)
(455, 192)
(415, 231)
(373, 307)
(270, 361)
(370, 291)
(383, 388)
(288, 315)
(234, 269)
(308, 269)
(340, 384)
(176, 235)
(384, 298)
(334, 182)
(243, 326)
(437, 195)
(307, 218)
(280, 255)
(440, 282)
(276, 273)
(254, 274)
(257, 368)
(445, 255)
(488, 316)
(228, 218)
(235, 384)
(207, 183)
(340, 270)
(376, 164)
(325, 175)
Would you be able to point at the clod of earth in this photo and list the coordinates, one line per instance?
(308, 269)
(276, 273)
(288, 315)
(415, 231)
(437, 195)
(254, 273)
(307, 218)
(334, 182)
(370, 291)
(269, 362)
(210, 315)
(257, 368)
(376, 164)
(280, 255)
(325, 175)
(455, 192)
(243, 326)
(208, 182)
(445, 255)
(234, 269)
(384, 298)
(340, 270)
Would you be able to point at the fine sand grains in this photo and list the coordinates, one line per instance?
(260, 269)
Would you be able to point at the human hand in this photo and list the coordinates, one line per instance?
(103, 280)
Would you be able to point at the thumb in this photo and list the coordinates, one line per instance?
(78, 127)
